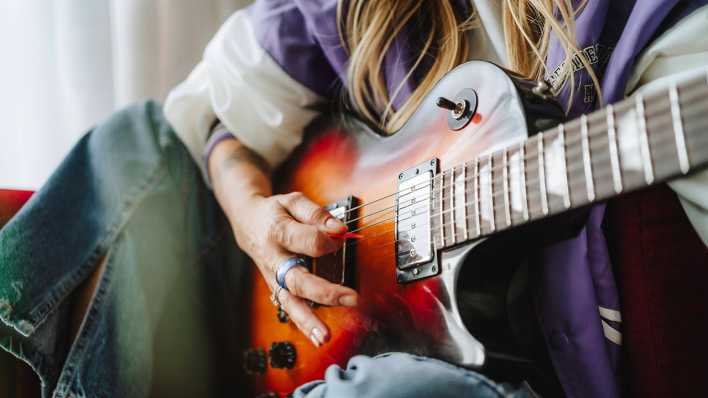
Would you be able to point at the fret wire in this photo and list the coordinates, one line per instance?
(464, 199)
(493, 224)
(696, 91)
(660, 150)
(579, 183)
(452, 206)
(477, 207)
(505, 175)
(566, 192)
(690, 94)
(542, 175)
(692, 107)
(678, 129)
(442, 209)
(644, 140)
(614, 153)
(524, 203)
(589, 183)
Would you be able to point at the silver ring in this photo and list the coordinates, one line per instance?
(274, 296)
(285, 267)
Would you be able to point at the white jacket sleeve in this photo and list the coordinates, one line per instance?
(680, 50)
(241, 85)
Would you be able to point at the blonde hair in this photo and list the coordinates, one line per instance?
(368, 27)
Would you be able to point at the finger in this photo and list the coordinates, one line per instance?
(302, 238)
(309, 212)
(304, 318)
(303, 284)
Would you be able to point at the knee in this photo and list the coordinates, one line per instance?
(134, 142)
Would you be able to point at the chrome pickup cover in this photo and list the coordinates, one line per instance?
(415, 254)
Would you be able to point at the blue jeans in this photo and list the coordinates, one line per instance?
(164, 320)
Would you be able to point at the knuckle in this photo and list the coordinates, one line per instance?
(329, 296)
(293, 198)
(278, 232)
(319, 245)
(316, 214)
(293, 282)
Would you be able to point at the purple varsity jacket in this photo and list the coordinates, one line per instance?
(576, 274)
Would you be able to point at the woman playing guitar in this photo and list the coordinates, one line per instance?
(243, 111)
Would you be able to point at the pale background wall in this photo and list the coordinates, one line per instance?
(67, 64)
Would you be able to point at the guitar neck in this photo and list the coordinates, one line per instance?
(624, 147)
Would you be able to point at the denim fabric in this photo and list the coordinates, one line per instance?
(167, 303)
(399, 375)
(164, 318)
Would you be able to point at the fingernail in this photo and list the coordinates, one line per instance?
(318, 335)
(333, 223)
(348, 301)
(314, 341)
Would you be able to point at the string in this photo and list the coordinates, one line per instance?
(468, 217)
(691, 93)
(579, 181)
(577, 166)
(529, 182)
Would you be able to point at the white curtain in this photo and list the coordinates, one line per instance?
(67, 64)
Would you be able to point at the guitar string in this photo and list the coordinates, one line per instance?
(573, 182)
(624, 103)
(530, 161)
(484, 231)
(534, 208)
(428, 195)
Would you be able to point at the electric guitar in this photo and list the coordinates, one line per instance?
(484, 154)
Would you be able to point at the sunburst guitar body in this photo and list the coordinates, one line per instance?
(483, 154)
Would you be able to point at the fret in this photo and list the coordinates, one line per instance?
(432, 218)
(515, 198)
(438, 184)
(678, 129)
(445, 216)
(498, 190)
(507, 207)
(452, 206)
(477, 207)
(461, 187)
(589, 184)
(490, 193)
(554, 170)
(612, 142)
(566, 183)
(542, 175)
(694, 113)
(644, 141)
(470, 215)
(524, 200)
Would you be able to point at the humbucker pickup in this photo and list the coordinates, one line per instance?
(415, 253)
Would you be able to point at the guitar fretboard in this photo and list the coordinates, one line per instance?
(633, 144)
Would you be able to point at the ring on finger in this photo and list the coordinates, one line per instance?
(285, 267)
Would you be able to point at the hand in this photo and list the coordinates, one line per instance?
(274, 229)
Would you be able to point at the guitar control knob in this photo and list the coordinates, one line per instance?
(254, 361)
(282, 355)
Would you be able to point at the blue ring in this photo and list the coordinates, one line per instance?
(286, 266)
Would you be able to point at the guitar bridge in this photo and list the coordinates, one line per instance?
(415, 254)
